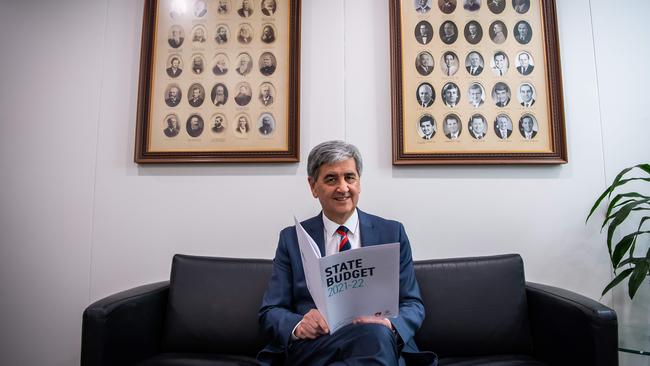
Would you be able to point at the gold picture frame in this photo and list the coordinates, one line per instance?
(219, 82)
(476, 82)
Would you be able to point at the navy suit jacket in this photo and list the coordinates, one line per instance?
(287, 298)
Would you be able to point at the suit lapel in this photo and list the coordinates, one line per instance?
(314, 227)
(369, 234)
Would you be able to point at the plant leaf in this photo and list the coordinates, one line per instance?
(619, 217)
(624, 245)
(639, 274)
(614, 204)
(621, 276)
(644, 167)
(630, 260)
(615, 184)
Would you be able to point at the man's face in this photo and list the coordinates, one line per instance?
(223, 4)
(449, 60)
(242, 123)
(522, 29)
(266, 32)
(452, 125)
(245, 4)
(243, 90)
(175, 63)
(219, 94)
(221, 62)
(472, 29)
(173, 92)
(196, 92)
(422, 3)
(475, 95)
(527, 124)
(244, 32)
(497, 28)
(266, 121)
(172, 122)
(218, 121)
(243, 62)
(425, 94)
(268, 5)
(502, 123)
(174, 34)
(501, 95)
(266, 91)
(426, 60)
(478, 126)
(448, 29)
(474, 59)
(194, 123)
(526, 93)
(266, 60)
(423, 30)
(337, 188)
(451, 95)
(197, 63)
(500, 62)
(524, 60)
(426, 127)
(199, 33)
(222, 32)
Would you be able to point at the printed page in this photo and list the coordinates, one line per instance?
(310, 255)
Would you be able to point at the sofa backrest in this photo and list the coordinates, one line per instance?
(474, 306)
(213, 304)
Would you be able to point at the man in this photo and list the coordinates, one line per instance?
(222, 8)
(477, 127)
(200, 8)
(523, 32)
(500, 62)
(268, 34)
(447, 6)
(498, 32)
(475, 60)
(174, 70)
(526, 125)
(195, 125)
(177, 38)
(472, 5)
(450, 64)
(521, 6)
(422, 6)
(497, 6)
(476, 96)
(244, 95)
(199, 35)
(267, 124)
(242, 126)
(448, 32)
(428, 127)
(503, 126)
(425, 95)
(219, 124)
(267, 64)
(424, 63)
(450, 94)
(268, 7)
(501, 94)
(219, 95)
(526, 95)
(473, 32)
(220, 65)
(172, 126)
(300, 335)
(197, 65)
(245, 64)
(173, 96)
(222, 35)
(245, 11)
(266, 97)
(423, 32)
(244, 36)
(525, 68)
(452, 127)
(196, 95)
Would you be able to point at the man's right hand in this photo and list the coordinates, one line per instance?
(312, 326)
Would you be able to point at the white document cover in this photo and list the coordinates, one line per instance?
(363, 281)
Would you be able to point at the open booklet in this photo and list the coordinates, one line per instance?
(345, 285)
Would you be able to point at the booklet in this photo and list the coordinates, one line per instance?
(345, 285)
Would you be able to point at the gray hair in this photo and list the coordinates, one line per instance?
(329, 152)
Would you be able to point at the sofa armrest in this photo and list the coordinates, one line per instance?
(571, 329)
(124, 328)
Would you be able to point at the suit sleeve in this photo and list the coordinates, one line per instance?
(411, 308)
(275, 314)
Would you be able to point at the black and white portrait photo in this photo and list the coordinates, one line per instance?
(498, 32)
(268, 33)
(526, 95)
(269, 7)
(501, 94)
(452, 127)
(176, 36)
(199, 35)
(267, 63)
(174, 65)
(219, 123)
(447, 6)
(219, 94)
(200, 8)
(242, 126)
(195, 95)
(449, 63)
(472, 5)
(422, 6)
(266, 94)
(246, 8)
(473, 32)
(425, 95)
(244, 94)
(499, 63)
(525, 63)
(523, 32)
(194, 125)
(245, 34)
(496, 6)
(198, 64)
(474, 63)
(266, 124)
(172, 127)
(503, 126)
(477, 126)
(476, 95)
(424, 63)
(244, 64)
(223, 7)
(220, 64)
(521, 6)
(423, 32)
(173, 95)
(222, 35)
(426, 127)
(448, 32)
(528, 127)
(450, 95)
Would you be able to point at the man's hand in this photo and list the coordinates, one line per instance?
(367, 319)
(312, 326)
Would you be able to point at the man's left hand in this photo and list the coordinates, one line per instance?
(367, 319)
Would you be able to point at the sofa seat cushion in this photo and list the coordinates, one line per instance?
(496, 360)
(198, 359)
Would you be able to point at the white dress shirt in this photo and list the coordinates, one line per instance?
(332, 239)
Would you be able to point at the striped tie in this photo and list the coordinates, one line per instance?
(344, 244)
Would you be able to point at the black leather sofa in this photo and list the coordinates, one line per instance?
(479, 311)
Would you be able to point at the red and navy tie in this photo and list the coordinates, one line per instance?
(344, 243)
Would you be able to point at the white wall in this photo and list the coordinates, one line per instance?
(79, 220)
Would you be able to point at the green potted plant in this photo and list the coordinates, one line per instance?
(619, 209)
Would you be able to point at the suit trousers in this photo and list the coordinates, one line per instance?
(354, 344)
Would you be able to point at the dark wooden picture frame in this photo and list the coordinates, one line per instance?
(219, 82)
(439, 99)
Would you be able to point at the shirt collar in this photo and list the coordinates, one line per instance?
(352, 224)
